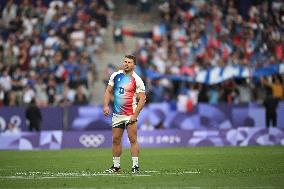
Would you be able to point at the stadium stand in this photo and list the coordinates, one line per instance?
(214, 51)
(49, 50)
(206, 51)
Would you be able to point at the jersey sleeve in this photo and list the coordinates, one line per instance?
(111, 79)
(140, 87)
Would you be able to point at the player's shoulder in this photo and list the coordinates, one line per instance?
(139, 83)
(119, 72)
(116, 73)
(136, 76)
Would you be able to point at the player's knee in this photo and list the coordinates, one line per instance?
(132, 140)
(116, 140)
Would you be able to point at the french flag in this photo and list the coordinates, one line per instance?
(158, 32)
(61, 72)
(157, 35)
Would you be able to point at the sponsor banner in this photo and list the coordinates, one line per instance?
(50, 140)
(242, 136)
(160, 138)
(19, 141)
(165, 115)
(80, 139)
(203, 116)
(212, 138)
(87, 118)
(52, 118)
(260, 137)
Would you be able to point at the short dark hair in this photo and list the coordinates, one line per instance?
(130, 56)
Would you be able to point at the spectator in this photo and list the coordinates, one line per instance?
(51, 90)
(40, 92)
(144, 8)
(33, 116)
(193, 94)
(9, 12)
(117, 34)
(2, 96)
(202, 96)
(270, 103)
(80, 97)
(199, 36)
(28, 94)
(182, 101)
(38, 39)
(190, 37)
(11, 99)
(245, 92)
(83, 69)
(213, 94)
(12, 129)
(5, 81)
(277, 88)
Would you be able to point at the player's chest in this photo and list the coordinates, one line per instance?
(124, 84)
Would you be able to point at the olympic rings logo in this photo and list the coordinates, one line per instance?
(91, 140)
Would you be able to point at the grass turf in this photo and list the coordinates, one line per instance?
(202, 167)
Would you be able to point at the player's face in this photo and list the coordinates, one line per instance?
(128, 65)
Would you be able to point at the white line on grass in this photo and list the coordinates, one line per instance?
(151, 171)
(248, 187)
(51, 175)
(70, 175)
(191, 172)
(33, 177)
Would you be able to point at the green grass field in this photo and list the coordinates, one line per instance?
(205, 167)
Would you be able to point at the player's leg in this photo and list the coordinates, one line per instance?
(116, 141)
(116, 149)
(134, 148)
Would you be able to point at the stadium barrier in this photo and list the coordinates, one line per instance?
(165, 115)
(56, 140)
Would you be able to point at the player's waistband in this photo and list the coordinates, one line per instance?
(121, 115)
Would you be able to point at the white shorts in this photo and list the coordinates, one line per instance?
(120, 121)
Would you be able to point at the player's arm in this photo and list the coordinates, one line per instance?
(141, 98)
(107, 95)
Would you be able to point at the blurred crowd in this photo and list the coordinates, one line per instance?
(49, 50)
(195, 35)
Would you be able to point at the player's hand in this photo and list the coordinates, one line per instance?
(106, 110)
(133, 119)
